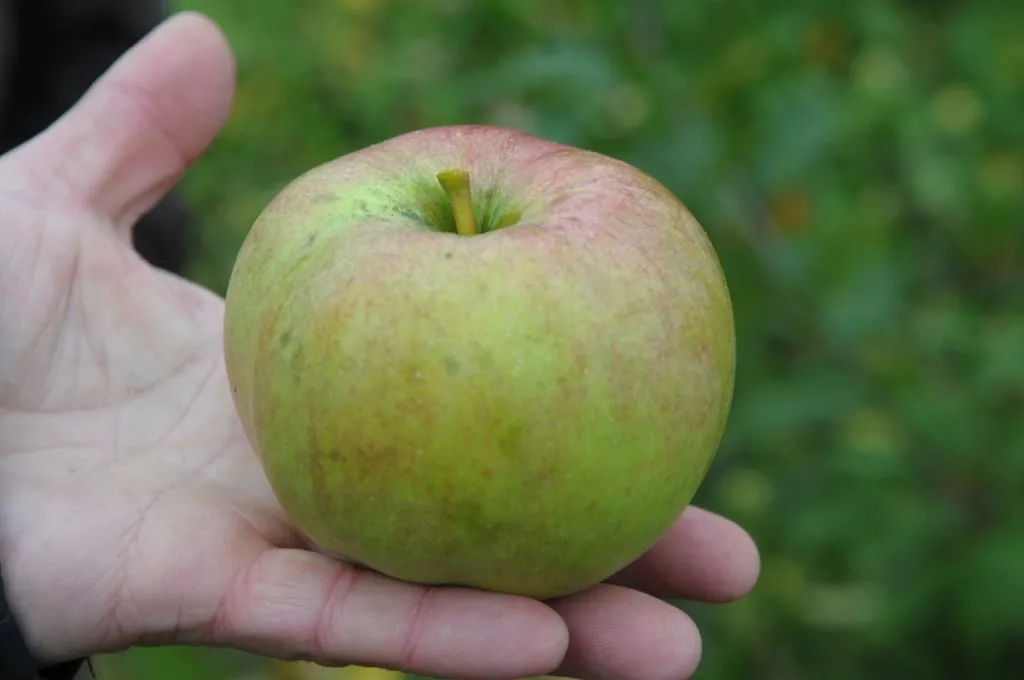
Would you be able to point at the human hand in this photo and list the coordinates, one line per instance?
(133, 511)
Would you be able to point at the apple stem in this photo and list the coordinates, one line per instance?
(456, 186)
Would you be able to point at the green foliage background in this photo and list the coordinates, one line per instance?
(859, 168)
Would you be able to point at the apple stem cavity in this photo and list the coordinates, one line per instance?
(456, 185)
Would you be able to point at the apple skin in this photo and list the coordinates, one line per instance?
(526, 410)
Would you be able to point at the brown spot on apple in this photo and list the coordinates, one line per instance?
(298, 354)
(510, 440)
(546, 472)
(579, 355)
(318, 477)
(268, 328)
(368, 462)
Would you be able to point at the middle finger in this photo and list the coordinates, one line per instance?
(620, 634)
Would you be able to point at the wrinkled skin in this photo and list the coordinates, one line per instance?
(527, 410)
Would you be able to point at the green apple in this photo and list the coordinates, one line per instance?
(471, 356)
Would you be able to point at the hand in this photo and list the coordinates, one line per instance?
(132, 510)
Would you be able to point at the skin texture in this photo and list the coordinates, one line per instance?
(526, 410)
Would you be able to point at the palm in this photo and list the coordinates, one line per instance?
(123, 361)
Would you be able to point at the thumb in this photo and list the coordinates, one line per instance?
(133, 134)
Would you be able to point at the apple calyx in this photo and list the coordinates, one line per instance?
(457, 186)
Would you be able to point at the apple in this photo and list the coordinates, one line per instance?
(471, 356)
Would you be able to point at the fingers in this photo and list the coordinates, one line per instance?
(133, 134)
(622, 630)
(702, 557)
(298, 604)
(621, 634)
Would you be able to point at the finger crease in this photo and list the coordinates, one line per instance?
(341, 587)
(413, 635)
